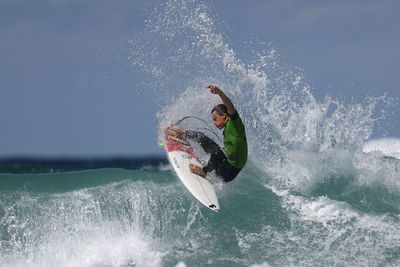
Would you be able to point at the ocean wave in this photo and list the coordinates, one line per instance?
(389, 147)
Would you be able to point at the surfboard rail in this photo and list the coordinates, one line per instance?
(181, 155)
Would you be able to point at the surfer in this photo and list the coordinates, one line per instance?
(226, 165)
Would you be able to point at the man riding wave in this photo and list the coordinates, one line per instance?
(226, 162)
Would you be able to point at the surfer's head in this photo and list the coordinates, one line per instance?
(219, 115)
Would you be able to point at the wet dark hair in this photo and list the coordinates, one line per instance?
(220, 109)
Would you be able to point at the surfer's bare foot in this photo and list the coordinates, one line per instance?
(197, 170)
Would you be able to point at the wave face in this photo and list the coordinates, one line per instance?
(117, 217)
(309, 195)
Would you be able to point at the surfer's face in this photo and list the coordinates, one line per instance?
(219, 119)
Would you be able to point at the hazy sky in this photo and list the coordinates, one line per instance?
(66, 87)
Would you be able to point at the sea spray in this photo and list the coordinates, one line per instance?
(285, 123)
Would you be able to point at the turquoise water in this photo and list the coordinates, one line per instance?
(145, 217)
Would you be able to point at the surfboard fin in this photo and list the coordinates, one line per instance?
(213, 207)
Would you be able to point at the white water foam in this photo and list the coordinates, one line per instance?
(328, 232)
(385, 146)
(102, 226)
(96, 249)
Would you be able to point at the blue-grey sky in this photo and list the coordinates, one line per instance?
(66, 87)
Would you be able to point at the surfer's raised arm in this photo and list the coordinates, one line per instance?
(229, 105)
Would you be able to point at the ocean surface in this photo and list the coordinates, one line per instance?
(144, 216)
(321, 186)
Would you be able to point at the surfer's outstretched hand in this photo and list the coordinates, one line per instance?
(228, 103)
(214, 89)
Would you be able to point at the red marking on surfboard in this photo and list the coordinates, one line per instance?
(174, 141)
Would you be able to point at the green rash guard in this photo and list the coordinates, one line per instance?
(235, 142)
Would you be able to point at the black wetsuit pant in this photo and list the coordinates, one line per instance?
(218, 160)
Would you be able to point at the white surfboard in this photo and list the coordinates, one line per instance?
(181, 154)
